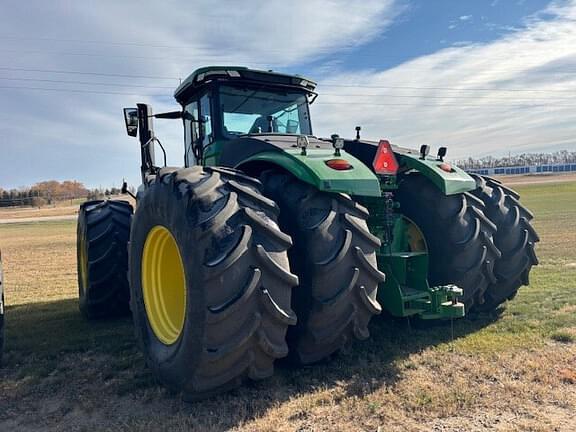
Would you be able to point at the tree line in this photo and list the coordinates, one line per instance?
(523, 159)
(50, 192)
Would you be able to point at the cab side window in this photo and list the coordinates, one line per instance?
(206, 119)
(190, 132)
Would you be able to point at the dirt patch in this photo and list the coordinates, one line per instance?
(38, 219)
(536, 179)
(425, 395)
(505, 371)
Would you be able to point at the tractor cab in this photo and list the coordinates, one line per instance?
(226, 103)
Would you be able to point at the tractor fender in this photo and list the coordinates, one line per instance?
(450, 183)
(451, 180)
(311, 168)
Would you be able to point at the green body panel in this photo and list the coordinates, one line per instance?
(451, 183)
(212, 153)
(311, 168)
(406, 291)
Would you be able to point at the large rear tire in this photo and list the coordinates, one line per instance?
(515, 238)
(334, 258)
(102, 256)
(219, 316)
(459, 236)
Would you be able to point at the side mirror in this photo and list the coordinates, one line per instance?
(131, 120)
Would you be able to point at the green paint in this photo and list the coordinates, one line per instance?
(403, 257)
(451, 183)
(311, 168)
(212, 153)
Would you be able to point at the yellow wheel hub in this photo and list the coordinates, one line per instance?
(163, 285)
(83, 262)
(416, 239)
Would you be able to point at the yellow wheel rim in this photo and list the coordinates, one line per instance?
(163, 285)
(416, 239)
(83, 262)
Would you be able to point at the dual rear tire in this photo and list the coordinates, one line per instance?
(102, 256)
(481, 240)
(210, 280)
(515, 238)
(334, 258)
(215, 255)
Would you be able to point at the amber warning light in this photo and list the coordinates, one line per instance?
(384, 162)
(339, 164)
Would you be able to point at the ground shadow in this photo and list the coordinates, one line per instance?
(41, 336)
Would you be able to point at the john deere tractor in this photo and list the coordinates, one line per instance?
(272, 242)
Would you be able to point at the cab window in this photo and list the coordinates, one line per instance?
(250, 111)
(190, 132)
(206, 119)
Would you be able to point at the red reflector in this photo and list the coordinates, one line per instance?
(339, 164)
(384, 162)
(446, 167)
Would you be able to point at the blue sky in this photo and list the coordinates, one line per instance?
(481, 77)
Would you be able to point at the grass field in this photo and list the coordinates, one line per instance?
(509, 371)
(60, 208)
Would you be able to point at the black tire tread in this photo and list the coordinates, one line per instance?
(106, 225)
(244, 332)
(334, 258)
(515, 238)
(459, 236)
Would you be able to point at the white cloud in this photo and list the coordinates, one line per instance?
(418, 105)
(465, 17)
(76, 135)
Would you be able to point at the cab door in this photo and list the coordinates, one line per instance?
(191, 133)
(209, 150)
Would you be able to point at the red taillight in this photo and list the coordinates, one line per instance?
(384, 162)
(339, 164)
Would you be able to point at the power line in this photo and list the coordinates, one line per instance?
(446, 105)
(80, 91)
(88, 73)
(279, 50)
(384, 95)
(317, 103)
(87, 83)
(320, 84)
(218, 58)
(215, 58)
(329, 84)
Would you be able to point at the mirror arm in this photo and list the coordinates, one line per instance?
(169, 115)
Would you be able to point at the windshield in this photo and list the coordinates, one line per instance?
(249, 111)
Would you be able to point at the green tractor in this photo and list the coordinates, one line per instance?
(272, 243)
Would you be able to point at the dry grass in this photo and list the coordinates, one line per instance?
(62, 208)
(509, 371)
(31, 212)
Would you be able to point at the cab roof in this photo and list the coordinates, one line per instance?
(203, 76)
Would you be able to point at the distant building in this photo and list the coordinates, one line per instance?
(534, 169)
